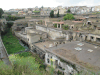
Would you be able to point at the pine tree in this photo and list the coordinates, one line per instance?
(58, 14)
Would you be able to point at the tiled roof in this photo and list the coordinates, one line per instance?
(59, 22)
(77, 21)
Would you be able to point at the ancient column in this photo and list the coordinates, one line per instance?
(83, 38)
(94, 39)
(88, 37)
(57, 25)
(60, 26)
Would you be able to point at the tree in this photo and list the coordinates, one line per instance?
(68, 17)
(52, 13)
(68, 11)
(42, 7)
(58, 14)
(1, 12)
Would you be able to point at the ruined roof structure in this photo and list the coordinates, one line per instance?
(84, 57)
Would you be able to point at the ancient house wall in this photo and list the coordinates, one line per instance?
(53, 60)
(54, 34)
(33, 38)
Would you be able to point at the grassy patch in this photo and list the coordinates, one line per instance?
(11, 43)
(26, 65)
(25, 54)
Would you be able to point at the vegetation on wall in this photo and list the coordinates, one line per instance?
(68, 17)
(65, 27)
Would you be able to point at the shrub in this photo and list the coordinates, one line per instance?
(52, 14)
(66, 27)
(22, 66)
(68, 17)
(55, 25)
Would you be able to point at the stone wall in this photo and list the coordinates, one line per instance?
(21, 37)
(79, 36)
(53, 33)
(33, 38)
(64, 66)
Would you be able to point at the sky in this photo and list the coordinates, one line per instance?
(12, 4)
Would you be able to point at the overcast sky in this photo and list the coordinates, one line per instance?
(10, 4)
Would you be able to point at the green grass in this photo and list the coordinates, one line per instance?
(22, 65)
(11, 43)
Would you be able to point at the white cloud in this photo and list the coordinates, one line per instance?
(8, 4)
(88, 3)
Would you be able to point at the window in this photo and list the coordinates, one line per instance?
(48, 61)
